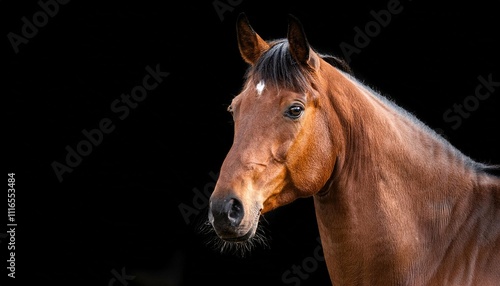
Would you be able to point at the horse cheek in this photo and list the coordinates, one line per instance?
(310, 172)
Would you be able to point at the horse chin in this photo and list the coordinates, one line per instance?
(245, 237)
(240, 242)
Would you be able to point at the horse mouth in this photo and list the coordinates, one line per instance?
(244, 237)
(240, 240)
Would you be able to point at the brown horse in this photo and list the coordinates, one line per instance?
(395, 203)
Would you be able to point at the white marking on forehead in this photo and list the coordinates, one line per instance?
(260, 87)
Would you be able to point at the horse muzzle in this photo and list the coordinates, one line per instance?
(227, 217)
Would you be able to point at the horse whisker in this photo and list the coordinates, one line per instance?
(238, 248)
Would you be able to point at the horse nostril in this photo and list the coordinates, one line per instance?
(226, 214)
(234, 212)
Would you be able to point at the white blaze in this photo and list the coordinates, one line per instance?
(260, 87)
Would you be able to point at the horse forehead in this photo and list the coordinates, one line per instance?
(261, 93)
(253, 88)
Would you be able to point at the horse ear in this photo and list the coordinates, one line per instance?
(251, 45)
(298, 44)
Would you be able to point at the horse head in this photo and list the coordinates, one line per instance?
(283, 146)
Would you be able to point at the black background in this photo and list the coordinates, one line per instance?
(119, 208)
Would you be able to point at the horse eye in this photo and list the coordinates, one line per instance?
(294, 111)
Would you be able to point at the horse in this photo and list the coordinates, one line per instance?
(395, 202)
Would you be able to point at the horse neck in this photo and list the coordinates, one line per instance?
(383, 144)
(395, 185)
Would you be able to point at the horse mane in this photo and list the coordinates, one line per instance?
(480, 167)
(338, 63)
(493, 170)
(277, 66)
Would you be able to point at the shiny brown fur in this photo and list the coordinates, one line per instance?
(395, 203)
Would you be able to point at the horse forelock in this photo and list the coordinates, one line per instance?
(278, 68)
